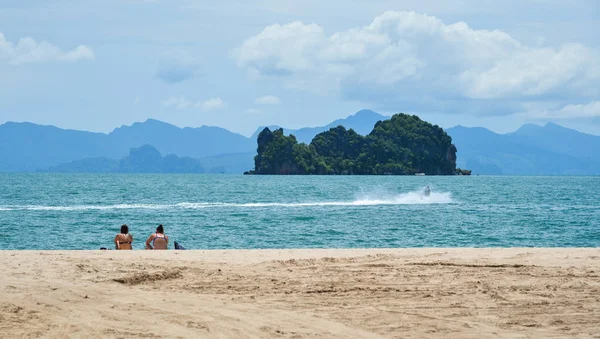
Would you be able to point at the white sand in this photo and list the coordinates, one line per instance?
(396, 293)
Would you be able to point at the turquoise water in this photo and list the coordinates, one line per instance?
(85, 211)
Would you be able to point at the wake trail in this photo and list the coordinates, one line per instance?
(410, 198)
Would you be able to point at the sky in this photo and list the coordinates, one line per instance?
(97, 65)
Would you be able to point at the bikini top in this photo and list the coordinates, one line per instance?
(156, 236)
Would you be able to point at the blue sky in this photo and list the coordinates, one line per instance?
(97, 65)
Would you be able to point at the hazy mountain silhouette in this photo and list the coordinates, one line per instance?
(560, 139)
(193, 142)
(26, 147)
(361, 122)
(531, 150)
(144, 159)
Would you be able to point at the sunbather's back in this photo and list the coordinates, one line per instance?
(160, 242)
(125, 246)
(123, 241)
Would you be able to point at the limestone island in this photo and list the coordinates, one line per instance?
(402, 145)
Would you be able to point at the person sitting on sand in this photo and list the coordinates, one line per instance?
(123, 240)
(159, 240)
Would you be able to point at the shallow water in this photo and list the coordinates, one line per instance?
(85, 211)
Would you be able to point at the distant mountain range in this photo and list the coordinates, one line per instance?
(27, 147)
(531, 150)
(144, 159)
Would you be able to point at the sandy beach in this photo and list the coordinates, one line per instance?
(374, 293)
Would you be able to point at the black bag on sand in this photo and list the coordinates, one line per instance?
(178, 246)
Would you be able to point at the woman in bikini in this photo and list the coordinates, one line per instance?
(159, 240)
(123, 240)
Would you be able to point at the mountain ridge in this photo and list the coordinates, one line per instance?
(531, 149)
(28, 147)
(362, 122)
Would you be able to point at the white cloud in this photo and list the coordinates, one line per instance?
(175, 67)
(27, 50)
(181, 102)
(573, 111)
(267, 100)
(177, 102)
(79, 53)
(211, 104)
(406, 60)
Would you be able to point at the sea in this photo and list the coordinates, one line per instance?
(201, 211)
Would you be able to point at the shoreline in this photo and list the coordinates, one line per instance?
(302, 293)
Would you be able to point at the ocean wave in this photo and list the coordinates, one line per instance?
(411, 198)
(81, 207)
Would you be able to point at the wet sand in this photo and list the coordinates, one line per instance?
(347, 293)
